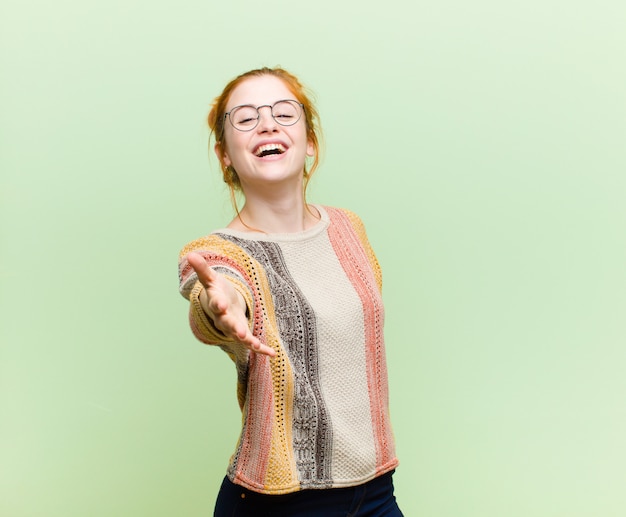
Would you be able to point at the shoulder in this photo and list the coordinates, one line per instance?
(346, 216)
(212, 242)
(341, 212)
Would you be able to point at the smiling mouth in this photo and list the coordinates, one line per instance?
(269, 149)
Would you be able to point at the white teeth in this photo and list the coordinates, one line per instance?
(269, 147)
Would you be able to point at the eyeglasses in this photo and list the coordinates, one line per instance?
(246, 117)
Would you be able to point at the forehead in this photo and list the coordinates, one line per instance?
(257, 91)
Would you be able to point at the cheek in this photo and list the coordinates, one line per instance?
(232, 149)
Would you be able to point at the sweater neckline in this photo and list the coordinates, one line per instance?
(304, 235)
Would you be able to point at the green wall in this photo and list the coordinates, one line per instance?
(482, 143)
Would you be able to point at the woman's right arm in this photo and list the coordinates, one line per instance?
(225, 306)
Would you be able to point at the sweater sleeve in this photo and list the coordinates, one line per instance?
(359, 229)
(190, 288)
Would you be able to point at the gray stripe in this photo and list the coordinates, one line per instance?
(312, 437)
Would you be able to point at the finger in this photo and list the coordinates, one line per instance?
(259, 348)
(217, 304)
(229, 326)
(241, 333)
(245, 336)
(205, 273)
(256, 346)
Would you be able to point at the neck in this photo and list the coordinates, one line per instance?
(288, 216)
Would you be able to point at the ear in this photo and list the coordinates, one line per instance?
(222, 155)
(310, 150)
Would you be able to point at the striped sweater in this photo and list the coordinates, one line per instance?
(316, 415)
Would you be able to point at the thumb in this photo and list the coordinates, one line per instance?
(205, 273)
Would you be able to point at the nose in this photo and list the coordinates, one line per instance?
(266, 121)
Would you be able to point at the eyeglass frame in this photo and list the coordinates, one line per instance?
(257, 108)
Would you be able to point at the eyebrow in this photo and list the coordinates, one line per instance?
(262, 105)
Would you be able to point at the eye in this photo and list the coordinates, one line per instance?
(244, 116)
(285, 112)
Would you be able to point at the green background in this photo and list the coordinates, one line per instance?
(482, 142)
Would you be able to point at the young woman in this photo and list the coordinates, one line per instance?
(292, 293)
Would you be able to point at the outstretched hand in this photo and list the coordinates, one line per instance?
(225, 306)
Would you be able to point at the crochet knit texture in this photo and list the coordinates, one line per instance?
(316, 415)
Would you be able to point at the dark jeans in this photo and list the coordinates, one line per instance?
(372, 499)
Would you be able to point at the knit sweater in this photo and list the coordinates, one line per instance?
(316, 415)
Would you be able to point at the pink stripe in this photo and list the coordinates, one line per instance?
(355, 263)
(256, 439)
